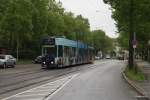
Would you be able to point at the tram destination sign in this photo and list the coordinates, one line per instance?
(48, 41)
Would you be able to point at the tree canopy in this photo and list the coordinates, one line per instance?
(141, 20)
(23, 23)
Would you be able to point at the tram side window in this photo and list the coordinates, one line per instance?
(60, 51)
(66, 51)
(74, 51)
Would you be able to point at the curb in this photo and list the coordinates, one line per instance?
(136, 87)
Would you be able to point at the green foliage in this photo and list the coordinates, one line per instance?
(123, 40)
(23, 23)
(137, 76)
(141, 20)
(22, 62)
(101, 41)
(16, 22)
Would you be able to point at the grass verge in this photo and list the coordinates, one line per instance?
(19, 62)
(133, 74)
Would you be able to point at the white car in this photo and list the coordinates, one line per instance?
(97, 58)
(7, 60)
(108, 57)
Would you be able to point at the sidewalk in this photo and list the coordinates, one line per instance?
(145, 68)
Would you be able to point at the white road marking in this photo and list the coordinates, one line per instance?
(49, 97)
(43, 92)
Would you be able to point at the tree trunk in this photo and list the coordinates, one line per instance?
(131, 27)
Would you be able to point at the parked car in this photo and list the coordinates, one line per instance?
(37, 60)
(7, 60)
(121, 58)
(108, 57)
(97, 58)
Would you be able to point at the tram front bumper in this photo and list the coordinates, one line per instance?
(48, 65)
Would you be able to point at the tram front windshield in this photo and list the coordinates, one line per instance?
(50, 51)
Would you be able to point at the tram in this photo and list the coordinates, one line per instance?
(61, 52)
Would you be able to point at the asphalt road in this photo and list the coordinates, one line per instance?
(102, 83)
(99, 81)
(23, 77)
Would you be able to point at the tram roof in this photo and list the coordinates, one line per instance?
(71, 43)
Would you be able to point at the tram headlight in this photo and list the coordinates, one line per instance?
(52, 62)
(44, 62)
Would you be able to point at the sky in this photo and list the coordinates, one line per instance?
(96, 11)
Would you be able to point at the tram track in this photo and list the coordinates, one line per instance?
(42, 78)
(24, 71)
(19, 74)
(25, 77)
(23, 80)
